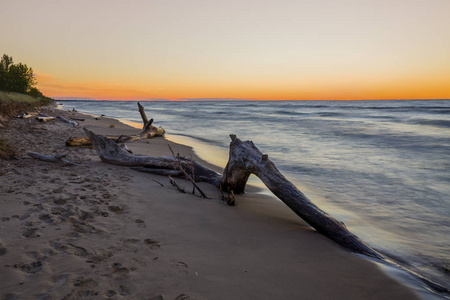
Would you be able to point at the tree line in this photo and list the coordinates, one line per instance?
(18, 78)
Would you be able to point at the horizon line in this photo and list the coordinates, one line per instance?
(234, 99)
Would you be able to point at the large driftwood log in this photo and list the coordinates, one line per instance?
(245, 159)
(148, 132)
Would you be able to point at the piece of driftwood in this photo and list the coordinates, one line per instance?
(26, 115)
(78, 142)
(110, 152)
(148, 132)
(143, 115)
(45, 119)
(75, 124)
(175, 184)
(186, 175)
(52, 158)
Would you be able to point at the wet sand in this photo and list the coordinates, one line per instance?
(99, 231)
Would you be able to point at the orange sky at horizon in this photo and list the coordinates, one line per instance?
(413, 88)
(248, 49)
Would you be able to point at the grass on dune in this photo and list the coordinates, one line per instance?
(10, 103)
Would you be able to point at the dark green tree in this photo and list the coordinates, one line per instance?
(34, 92)
(5, 63)
(15, 77)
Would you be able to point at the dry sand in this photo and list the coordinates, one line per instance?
(99, 231)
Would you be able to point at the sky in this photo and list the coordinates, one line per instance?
(246, 49)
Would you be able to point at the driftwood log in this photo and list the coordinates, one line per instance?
(52, 158)
(245, 159)
(75, 124)
(148, 132)
(110, 152)
(45, 119)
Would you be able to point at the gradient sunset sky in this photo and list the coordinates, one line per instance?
(246, 49)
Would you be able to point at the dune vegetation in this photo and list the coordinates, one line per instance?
(18, 94)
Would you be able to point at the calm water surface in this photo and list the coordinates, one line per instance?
(382, 167)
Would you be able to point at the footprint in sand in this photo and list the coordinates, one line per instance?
(154, 244)
(3, 250)
(33, 254)
(131, 241)
(119, 271)
(69, 248)
(181, 268)
(110, 293)
(100, 256)
(46, 218)
(31, 268)
(124, 290)
(116, 209)
(60, 201)
(30, 230)
(141, 223)
(83, 283)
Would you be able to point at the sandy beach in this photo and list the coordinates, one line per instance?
(100, 231)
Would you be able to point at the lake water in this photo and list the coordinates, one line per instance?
(381, 167)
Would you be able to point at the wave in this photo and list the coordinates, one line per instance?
(204, 140)
(437, 123)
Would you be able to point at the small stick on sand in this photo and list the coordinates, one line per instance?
(52, 158)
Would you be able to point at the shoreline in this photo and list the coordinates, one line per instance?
(99, 230)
